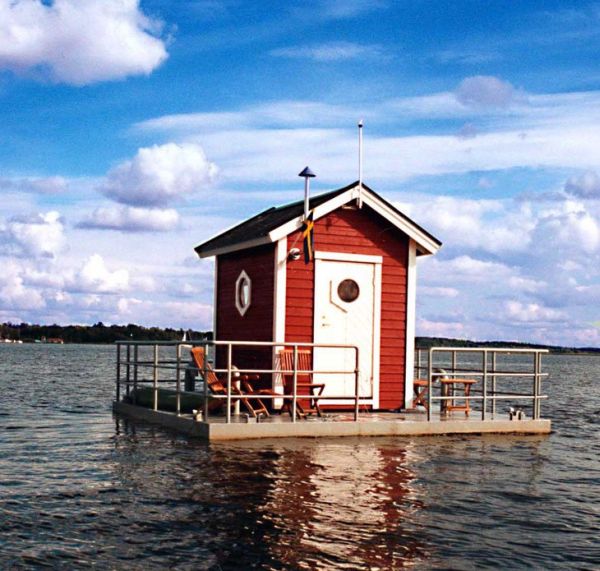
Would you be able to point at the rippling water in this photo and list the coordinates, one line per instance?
(80, 489)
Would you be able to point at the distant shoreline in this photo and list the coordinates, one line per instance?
(107, 334)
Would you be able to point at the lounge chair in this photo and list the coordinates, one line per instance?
(218, 387)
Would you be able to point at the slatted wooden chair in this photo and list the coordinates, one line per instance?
(255, 406)
(420, 392)
(308, 392)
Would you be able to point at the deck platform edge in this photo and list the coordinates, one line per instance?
(241, 431)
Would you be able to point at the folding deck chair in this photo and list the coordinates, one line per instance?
(218, 387)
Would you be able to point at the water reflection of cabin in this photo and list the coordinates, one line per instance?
(359, 289)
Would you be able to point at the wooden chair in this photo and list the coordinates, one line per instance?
(306, 389)
(420, 390)
(218, 387)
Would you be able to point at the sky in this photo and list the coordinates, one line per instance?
(132, 131)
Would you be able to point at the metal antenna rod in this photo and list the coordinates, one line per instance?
(360, 151)
(360, 161)
(307, 174)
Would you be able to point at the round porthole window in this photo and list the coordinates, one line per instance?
(348, 290)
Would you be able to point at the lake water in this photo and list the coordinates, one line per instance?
(82, 489)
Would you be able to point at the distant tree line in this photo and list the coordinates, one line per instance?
(100, 333)
(427, 342)
(97, 333)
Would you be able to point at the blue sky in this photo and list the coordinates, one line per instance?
(132, 131)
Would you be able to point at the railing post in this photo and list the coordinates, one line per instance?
(494, 363)
(356, 383)
(536, 385)
(128, 369)
(135, 372)
(155, 377)
(228, 413)
(430, 384)
(295, 383)
(205, 377)
(484, 371)
(178, 381)
(118, 391)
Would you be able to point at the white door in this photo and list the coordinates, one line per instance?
(347, 290)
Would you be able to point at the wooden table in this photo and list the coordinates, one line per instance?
(448, 387)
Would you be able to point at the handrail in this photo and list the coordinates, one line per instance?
(175, 364)
(485, 372)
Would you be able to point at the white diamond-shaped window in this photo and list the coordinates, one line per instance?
(243, 292)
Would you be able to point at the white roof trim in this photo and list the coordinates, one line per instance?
(421, 238)
(424, 242)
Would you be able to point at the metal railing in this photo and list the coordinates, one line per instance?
(129, 363)
(485, 364)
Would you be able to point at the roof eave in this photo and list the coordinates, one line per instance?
(233, 247)
(426, 243)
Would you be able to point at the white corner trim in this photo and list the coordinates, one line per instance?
(377, 291)
(215, 298)
(279, 301)
(411, 315)
(343, 257)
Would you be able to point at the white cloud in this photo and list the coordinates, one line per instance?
(532, 312)
(79, 42)
(160, 174)
(440, 328)
(438, 291)
(586, 185)
(486, 91)
(549, 131)
(342, 9)
(132, 219)
(41, 235)
(465, 269)
(43, 185)
(95, 277)
(332, 51)
(491, 225)
(568, 227)
(13, 291)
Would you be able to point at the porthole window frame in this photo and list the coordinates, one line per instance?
(243, 279)
(354, 284)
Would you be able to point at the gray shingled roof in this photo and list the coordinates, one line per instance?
(262, 224)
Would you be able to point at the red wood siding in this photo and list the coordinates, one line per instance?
(358, 232)
(257, 323)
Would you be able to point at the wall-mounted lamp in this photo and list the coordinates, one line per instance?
(293, 255)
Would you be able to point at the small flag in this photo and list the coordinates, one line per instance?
(308, 235)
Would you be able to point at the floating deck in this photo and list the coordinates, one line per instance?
(334, 424)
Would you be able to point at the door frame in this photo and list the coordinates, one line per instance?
(376, 262)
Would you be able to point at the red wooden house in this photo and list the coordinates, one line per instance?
(359, 288)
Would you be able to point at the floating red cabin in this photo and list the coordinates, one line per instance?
(359, 289)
